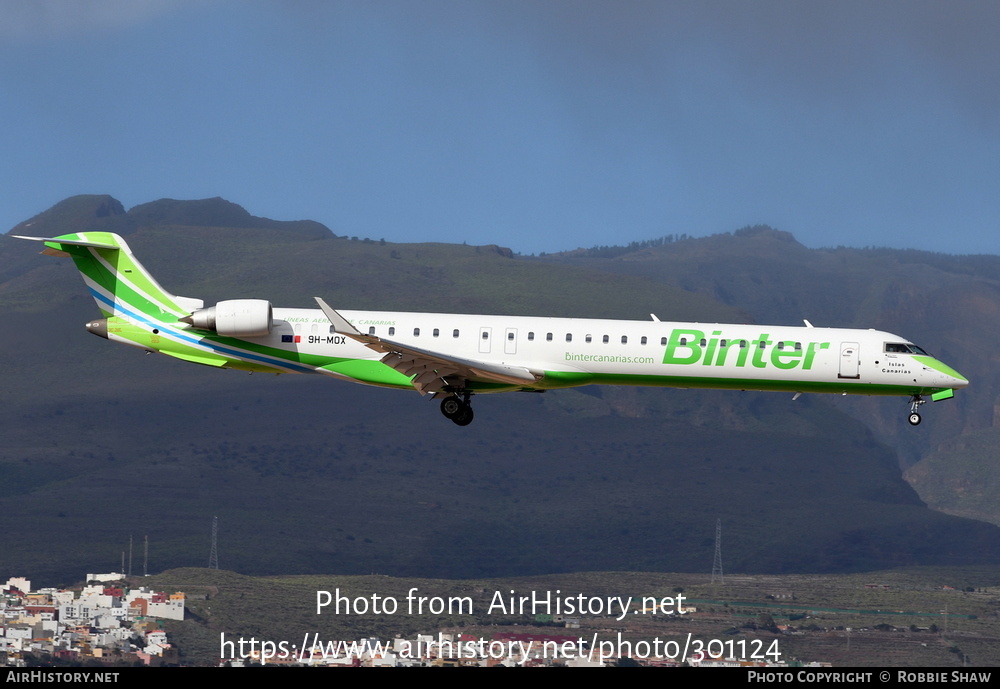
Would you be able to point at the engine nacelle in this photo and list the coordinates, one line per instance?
(234, 318)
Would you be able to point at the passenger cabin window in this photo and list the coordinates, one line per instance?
(371, 329)
(548, 337)
(416, 332)
(587, 338)
(486, 335)
(510, 336)
(606, 339)
(392, 330)
(722, 343)
(643, 340)
(454, 333)
(684, 341)
(436, 332)
(663, 341)
(798, 346)
(569, 337)
(531, 336)
(624, 339)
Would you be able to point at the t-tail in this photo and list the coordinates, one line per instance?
(138, 312)
(121, 286)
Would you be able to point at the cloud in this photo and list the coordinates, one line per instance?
(819, 53)
(30, 21)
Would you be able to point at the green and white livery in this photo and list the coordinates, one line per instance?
(455, 356)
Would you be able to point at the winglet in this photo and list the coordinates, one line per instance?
(340, 324)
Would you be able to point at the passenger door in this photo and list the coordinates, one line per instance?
(850, 362)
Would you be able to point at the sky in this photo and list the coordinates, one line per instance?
(541, 126)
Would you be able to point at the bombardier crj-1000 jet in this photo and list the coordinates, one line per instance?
(455, 356)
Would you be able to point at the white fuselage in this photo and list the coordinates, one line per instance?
(574, 351)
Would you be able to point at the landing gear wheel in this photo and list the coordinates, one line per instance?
(458, 409)
(451, 407)
(915, 403)
(464, 418)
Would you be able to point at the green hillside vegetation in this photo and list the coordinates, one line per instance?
(311, 476)
(961, 477)
(950, 305)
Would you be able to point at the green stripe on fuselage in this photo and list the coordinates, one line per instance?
(567, 379)
(143, 336)
(369, 371)
(931, 362)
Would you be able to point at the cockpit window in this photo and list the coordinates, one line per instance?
(903, 348)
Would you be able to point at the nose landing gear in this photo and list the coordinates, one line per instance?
(458, 409)
(915, 403)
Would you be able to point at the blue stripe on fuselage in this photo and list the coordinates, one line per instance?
(213, 347)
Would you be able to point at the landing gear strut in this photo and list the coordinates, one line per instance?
(458, 409)
(915, 403)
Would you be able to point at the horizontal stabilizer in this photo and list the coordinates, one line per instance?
(51, 251)
(72, 242)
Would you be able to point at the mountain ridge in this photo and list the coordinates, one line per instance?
(594, 478)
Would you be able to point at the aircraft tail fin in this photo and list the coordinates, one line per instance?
(119, 283)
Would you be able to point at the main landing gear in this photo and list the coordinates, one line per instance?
(915, 403)
(458, 409)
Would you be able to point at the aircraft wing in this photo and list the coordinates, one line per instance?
(431, 371)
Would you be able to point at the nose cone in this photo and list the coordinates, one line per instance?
(949, 377)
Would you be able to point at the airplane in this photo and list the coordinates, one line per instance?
(455, 356)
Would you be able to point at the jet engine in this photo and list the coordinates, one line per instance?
(234, 318)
